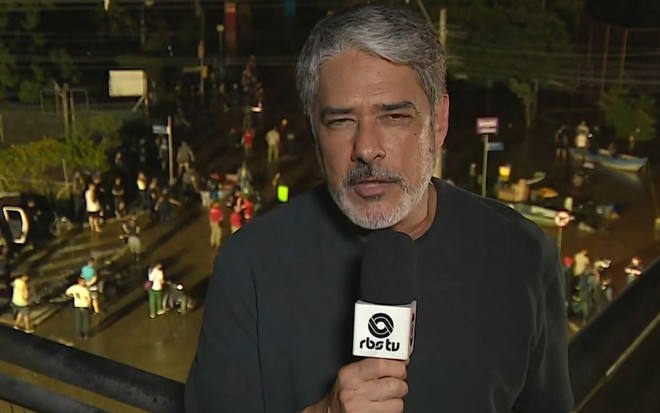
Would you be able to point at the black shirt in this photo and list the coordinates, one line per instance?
(491, 326)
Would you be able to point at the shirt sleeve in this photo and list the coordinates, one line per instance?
(225, 376)
(547, 387)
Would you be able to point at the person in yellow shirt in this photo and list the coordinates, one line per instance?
(20, 303)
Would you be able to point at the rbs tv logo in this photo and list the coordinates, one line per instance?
(380, 326)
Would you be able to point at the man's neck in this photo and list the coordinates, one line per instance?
(416, 224)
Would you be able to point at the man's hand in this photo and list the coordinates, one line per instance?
(370, 385)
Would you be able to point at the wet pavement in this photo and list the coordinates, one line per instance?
(165, 345)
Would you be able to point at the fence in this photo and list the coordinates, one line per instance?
(617, 55)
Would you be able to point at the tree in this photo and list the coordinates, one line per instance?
(631, 117)
(514, 42)
(27, 62)
(33, 165)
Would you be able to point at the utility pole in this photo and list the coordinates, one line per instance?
(442, 32)
(2, 130)
(221, 31)
(484, 167)
(63, 93)
(72, 113)
(199, 11)
(170, 151)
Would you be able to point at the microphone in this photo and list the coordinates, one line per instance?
(384, 323)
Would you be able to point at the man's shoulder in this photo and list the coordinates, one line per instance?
(491, 218)
(285, 221)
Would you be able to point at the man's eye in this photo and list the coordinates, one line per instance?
(338, 122)
(397, 116)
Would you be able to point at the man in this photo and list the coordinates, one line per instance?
(184, 157)
(94, 209)
(277, 329)
(131, 235)
(156, 277)
(78, 195)
(81, 304)
(215, 222)
(89, 275)
(634, 270)
(273, 141)
(20, 301)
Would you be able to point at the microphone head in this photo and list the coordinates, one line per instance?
(389, 269)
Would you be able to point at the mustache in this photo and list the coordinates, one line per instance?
(365, 172)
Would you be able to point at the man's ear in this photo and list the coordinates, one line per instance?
(441, 121)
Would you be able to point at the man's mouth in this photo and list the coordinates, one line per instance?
(370, 188)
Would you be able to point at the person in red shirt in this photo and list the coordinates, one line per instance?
(235, 221)
(248, 140)
(248, 210)
(215, 222)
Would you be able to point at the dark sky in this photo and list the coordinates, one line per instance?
(627, 13)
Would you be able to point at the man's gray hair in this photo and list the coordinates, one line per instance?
(394, 34)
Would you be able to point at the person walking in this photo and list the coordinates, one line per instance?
(215, 222)
(156, 280)
(20, 303)
(184, 157)
(273, 141)
(82, 302)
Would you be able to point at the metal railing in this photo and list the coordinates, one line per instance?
(83, 370)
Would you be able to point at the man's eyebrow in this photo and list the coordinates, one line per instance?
(329, 110)
(383, 107)
(387, 107)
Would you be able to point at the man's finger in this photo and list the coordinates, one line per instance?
(373, 368)
(385, 388)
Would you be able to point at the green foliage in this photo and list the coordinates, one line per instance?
(24, 17)
(30, 166)
(629, 115)
(37, 166)
(525, 92)
(512, 42)
(29, 91)
(104, 129)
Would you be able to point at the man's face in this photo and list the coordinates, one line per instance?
(377, 137)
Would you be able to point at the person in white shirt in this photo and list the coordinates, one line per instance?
(20, 301)
(82, 302)
(93, 208)
(157, 279)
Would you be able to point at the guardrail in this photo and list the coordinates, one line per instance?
(598, 350)
(87, 371)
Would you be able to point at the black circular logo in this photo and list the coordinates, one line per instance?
(381, 325)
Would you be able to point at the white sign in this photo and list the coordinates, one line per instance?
(127, 83)
(562, 218)
(487, 126)
(384, 331)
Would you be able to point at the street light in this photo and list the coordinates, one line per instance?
(221, 31)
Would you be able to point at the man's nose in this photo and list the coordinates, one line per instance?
(367, 144)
